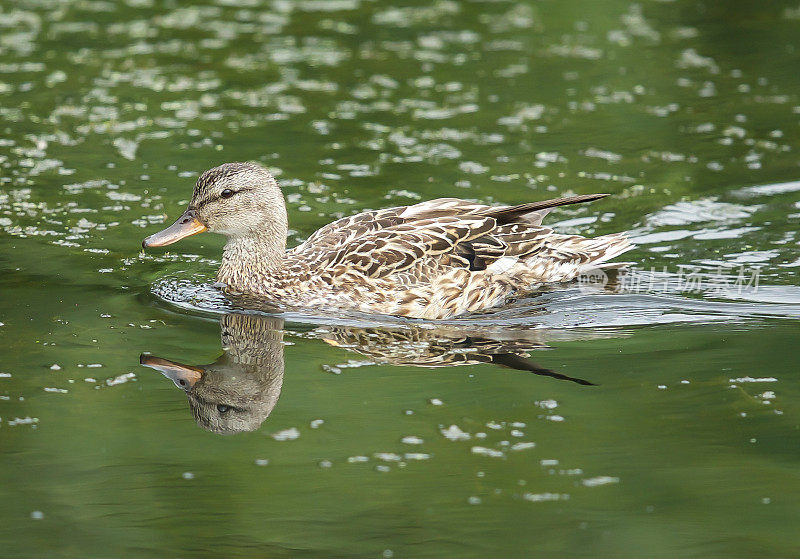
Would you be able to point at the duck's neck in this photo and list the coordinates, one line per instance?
(250, 263)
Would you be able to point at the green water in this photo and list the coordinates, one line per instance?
(685, 444)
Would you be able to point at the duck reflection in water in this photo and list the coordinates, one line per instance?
(238, 391)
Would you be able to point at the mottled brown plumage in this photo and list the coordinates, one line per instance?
(432, 260)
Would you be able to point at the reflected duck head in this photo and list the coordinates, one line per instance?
(239, 390)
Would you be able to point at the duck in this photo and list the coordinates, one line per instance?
(433, 260)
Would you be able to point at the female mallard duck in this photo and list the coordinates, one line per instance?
(432, 260)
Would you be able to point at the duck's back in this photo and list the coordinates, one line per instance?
(438, 259)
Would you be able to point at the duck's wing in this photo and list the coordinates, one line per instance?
(465, 234)
(381, 252)
(341, 233)
(470, 242)
(343, 230)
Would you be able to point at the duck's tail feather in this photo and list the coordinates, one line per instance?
(607, 248)
(510, 214)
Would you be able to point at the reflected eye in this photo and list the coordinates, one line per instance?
(227, 193)
(223, 409)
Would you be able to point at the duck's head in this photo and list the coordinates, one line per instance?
(238, 200)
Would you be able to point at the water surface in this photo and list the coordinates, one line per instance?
(390, 438)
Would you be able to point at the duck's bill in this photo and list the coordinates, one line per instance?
(184, 376)
(185, 226)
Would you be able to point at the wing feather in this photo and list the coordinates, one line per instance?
(398, 248)
(447, 231)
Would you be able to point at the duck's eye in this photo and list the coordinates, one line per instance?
(223, 409)
(227, 193)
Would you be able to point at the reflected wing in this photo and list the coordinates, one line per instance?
(423, 348)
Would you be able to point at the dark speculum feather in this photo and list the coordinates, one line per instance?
(467, 251)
